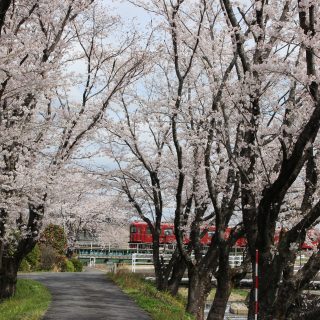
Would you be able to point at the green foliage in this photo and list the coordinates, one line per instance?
(67, 266)
(49, 257)
(53, 246)
(34, 257)
(29, 303)
(78, 266)
(160, 305)
(54, 236)
(24, 266)
(32, 261)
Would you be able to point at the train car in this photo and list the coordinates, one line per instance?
(140, 234)
(207, 238)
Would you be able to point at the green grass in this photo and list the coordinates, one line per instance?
(30, 302)
(241, 292)
(160, 305)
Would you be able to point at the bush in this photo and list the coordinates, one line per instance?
(32, 261)
(33, 258)
(67, 266)
(24, 266)
(54, 236)
(78, 266)
(49, 258)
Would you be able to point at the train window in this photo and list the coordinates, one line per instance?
(148, 231)
(168, 232)
(133, 229)
(211, 234)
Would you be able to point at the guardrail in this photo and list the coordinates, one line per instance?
(147, 259)
(235, 260)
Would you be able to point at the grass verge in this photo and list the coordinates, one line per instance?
(160, 305)
(30, 302)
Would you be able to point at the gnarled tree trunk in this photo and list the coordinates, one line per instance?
(10, 258)
(227, 278)
(199, 288)
(224, 286)
(178, 271)
(8, 276)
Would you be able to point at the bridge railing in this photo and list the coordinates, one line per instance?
(145, 259)
(235, 260)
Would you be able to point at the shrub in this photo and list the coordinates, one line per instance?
(49, 258)
(32, 261)
(67, 266)
(78, 266)
(34, 257)
(54, 236)
(24, 266)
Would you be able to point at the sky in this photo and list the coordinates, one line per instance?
(129, 11)
(131, 16)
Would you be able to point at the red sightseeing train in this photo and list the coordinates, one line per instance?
(141, 234)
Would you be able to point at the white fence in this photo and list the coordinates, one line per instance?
(235, 260)
(147, 259)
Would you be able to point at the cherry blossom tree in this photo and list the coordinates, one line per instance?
(80, 203)
(194, 90)
(262, 131)
(277, 100)
(165, 128)
(42, 123)
(136, 138)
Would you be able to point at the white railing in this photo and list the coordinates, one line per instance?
(145, 259)
(137, 258)
(235, 260)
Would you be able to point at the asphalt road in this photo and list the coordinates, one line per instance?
(86, 296)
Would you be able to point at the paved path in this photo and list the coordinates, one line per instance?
(86, 296)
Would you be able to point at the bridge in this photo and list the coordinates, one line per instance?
(138, 258)
(85, 249)
(141, 254)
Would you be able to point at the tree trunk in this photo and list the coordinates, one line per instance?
(199, 287)
(161, 282)
(267, 290)
(291, 287)
(270, 274)
(9, 263)
(308, 315)
(218, 307)
(224, 287)
(8, 277)
(178, 270)
(286, 295)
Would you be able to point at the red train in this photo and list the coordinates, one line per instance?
(141, 234)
